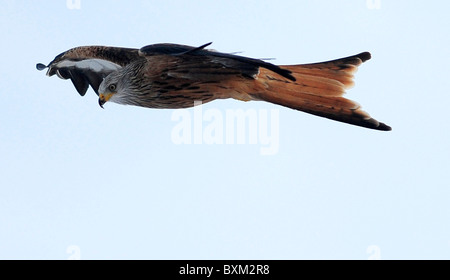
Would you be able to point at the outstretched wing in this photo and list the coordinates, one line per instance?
(198, 60)
(89, 65)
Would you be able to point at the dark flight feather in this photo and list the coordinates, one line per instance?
(245, 62)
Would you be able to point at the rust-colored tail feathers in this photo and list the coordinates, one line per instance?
(318, 90)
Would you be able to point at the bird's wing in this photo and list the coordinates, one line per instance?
(89, 65)
(198, 61)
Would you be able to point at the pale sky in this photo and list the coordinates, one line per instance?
(77, 181)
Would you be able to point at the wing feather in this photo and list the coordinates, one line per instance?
(89, 65)
(199, 57)
(79, 81)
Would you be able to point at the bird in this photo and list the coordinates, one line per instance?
(174, 76)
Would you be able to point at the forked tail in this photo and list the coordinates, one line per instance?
(318, 90)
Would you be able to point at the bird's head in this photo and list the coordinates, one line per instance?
(113, 88)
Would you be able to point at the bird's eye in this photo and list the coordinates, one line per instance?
(112, 87)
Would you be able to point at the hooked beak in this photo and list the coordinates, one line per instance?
(103, 98)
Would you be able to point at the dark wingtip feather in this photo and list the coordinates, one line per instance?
(196, 49)
(287, 74)
(40, 66)
(79, 81)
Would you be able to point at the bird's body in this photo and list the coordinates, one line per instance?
(175, 76)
